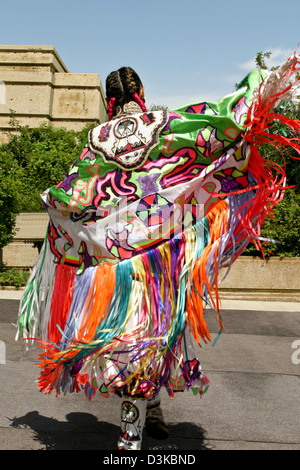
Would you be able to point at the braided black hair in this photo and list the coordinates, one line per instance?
(122, 86)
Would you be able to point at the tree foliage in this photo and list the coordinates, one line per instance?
(284, 226)
(31, 161)
(260, 59)
(10, 201)
(42, 156)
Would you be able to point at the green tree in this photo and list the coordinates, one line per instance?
(260, 59)
(10, 201)
(285, 226)
(42, 156)
(31, 161)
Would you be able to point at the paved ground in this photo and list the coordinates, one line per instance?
(253, 401)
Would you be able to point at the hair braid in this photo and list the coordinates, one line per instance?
(140, 102)
(111, 105)
(122, 86)
(114, 91)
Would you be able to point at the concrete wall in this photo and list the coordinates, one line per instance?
(253, 278)
(249, 278)
(30, 231)
(37, 86)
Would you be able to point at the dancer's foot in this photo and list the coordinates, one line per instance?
(133, 414)
(125, 444)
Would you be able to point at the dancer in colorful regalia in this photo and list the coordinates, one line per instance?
(155, 205)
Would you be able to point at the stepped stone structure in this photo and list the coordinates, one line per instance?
(37, 86)
(23, 251)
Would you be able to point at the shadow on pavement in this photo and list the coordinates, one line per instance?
(83, 431)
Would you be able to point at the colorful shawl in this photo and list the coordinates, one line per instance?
(155, 205)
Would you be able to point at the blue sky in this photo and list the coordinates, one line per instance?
(184, 51)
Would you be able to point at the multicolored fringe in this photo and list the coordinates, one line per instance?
(126, 327)
(91, 318)
(93, 337)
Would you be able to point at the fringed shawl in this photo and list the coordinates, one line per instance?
(154, 206)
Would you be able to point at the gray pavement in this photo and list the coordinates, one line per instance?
(252, 404)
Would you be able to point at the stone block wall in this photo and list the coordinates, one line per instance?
(38, 87)
(23, 251)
